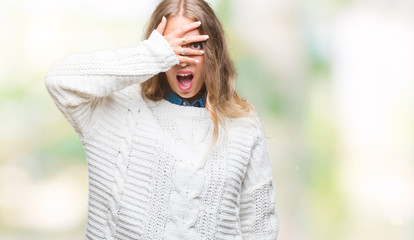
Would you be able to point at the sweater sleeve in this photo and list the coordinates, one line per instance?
(258, 217)
(80, 83)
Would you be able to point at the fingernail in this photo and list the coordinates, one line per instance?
(201, 52)
(196, 61)
(206, 37)
(163, 18)
(198, 22)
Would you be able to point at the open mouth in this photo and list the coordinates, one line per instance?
(185, 80)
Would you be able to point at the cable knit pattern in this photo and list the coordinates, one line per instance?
(150, 173)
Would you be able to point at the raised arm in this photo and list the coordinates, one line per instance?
(258, 217)
(79, 83)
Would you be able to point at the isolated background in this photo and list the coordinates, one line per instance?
(333, 82)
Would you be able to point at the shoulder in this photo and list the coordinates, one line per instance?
(250, 125)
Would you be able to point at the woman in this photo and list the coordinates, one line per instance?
(173, 152)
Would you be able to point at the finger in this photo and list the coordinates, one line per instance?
(161, 26)
(192, 39)
(181, 31)
(188, 52)
(187, 60)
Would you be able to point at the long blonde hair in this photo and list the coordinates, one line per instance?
(219, 73)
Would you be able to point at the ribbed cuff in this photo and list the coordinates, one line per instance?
(160, 46)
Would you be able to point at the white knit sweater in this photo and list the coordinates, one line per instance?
(147, 175)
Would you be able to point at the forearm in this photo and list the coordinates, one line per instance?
(80, 83)
(103, 72)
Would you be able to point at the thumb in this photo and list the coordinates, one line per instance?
(161, 26)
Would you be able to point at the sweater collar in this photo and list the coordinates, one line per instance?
(172, 97)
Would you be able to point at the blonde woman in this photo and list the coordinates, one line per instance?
(173, 152)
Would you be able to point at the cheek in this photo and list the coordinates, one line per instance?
(200, 65)
(170, 74)
(170, 80)
(199, 58)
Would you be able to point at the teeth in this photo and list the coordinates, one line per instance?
(184, 75)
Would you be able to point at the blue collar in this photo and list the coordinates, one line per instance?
(174, 98)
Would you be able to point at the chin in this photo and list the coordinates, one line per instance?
(187, 94)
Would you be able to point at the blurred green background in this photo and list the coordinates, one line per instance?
(333, 82)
